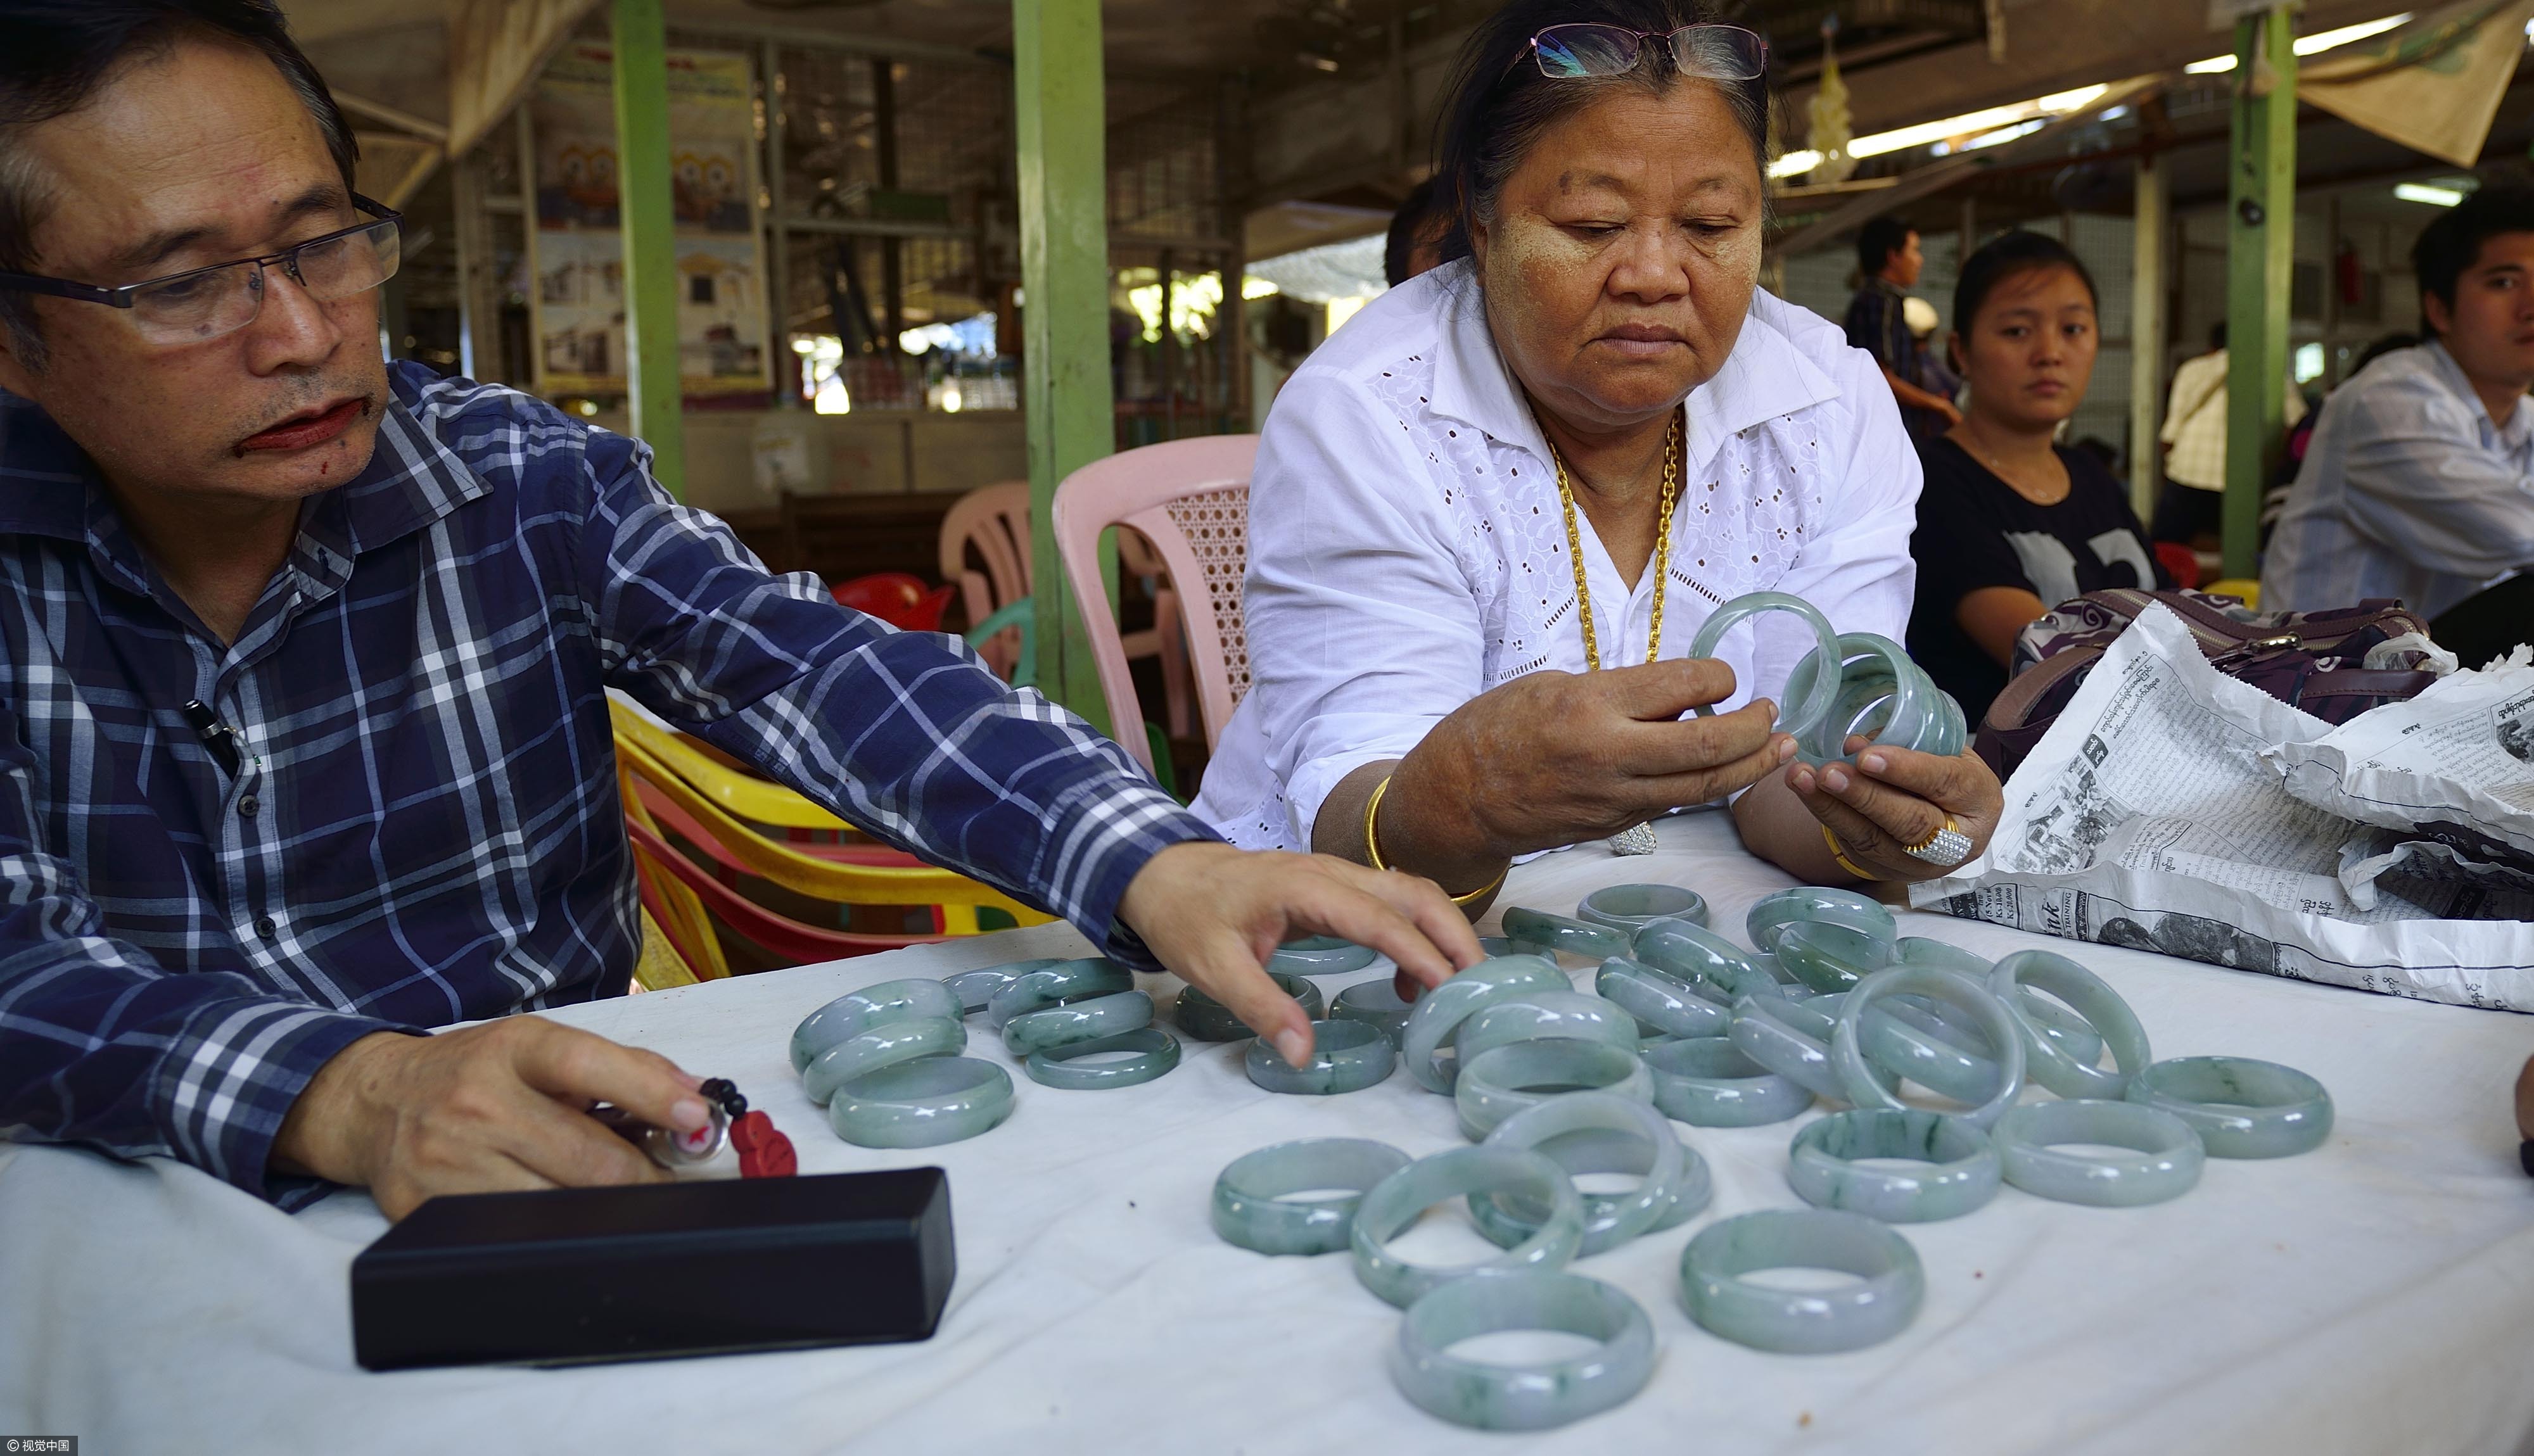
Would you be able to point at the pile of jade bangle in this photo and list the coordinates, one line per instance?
(1689, 1026)
(883, 1060)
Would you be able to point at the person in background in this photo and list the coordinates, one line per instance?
(2010, 524)
(1888, 260)
(2195, 446)
(2419, 484)
(1935, 376)
(1417, 230)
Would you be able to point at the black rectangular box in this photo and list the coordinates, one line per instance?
(676, 1268)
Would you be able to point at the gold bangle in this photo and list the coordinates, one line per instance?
(1373, 848)
(1840, 854)
(1373, 806)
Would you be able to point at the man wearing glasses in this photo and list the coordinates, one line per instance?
(303, 738)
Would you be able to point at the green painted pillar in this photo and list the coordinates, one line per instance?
(2260, 241)
(645, 212)
(1060, 122)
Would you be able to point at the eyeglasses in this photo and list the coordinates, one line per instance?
(203, 303)
(1706, 52)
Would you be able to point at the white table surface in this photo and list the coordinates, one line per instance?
(2375, 1296)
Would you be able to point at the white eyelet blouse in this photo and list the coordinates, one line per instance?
(1407, 552)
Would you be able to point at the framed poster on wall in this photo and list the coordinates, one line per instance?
(576, 256)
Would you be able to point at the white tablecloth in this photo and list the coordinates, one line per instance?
(2376, 1296)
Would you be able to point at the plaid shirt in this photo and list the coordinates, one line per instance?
(425, 826)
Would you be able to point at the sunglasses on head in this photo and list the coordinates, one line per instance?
(1590, 49)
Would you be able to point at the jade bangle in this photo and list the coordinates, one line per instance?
(861, 1011)
(1661, 1004)
(1825, 1165)
(1796, 713)
(1376, 1004)
(1440, 1012)
(2057, 1023)
(1319, 955)
(1541, 1016)
(1902, 1036)
(1497, 947)
(2164, 1165)
(1569, 1131)
(1628, 909)
(1525, 1074)
(1708, 1083)
(1807, 1321)
(1829, 957)
(2240, 1108)
(2054, 1065)
(1881, 695)
(1712, 966)
(1772, 913)
(1053, 985)
(922, 1103)
(1530, 927)
(1346, 1057)
(1252, 1209)
(975, 989)
(1792, 1038)
(1078, 1020)
(1155, 1050)
(1492, 1396)
(1506, 1219)
(1205, 1018)
(1859, 1079)
(867, 1052)
(1394, 1204)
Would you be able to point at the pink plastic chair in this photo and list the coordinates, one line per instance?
(995, 520)
(1189, 499)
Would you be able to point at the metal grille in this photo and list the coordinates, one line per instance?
(1164, 185)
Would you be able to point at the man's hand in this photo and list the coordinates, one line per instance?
(1896, 797)
(1213, 914)
(484, 1109)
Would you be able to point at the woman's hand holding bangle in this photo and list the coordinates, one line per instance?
(1900, 814)
(1552, 759)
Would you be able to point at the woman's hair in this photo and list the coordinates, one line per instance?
(2007, 256)
(1499, 103)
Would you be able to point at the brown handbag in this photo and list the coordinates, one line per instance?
(2311, 661)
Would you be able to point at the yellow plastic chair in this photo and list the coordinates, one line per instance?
(663, 966)
(2237, 586)
(743, 795)
(958, 897)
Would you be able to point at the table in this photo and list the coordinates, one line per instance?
(2374, 1296)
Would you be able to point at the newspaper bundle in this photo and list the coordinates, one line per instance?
(2172, 808)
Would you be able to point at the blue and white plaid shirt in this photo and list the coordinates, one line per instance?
(425, 828)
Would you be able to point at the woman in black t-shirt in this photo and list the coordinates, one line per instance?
(2008, 524)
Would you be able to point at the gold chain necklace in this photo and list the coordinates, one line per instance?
(1637, 839)
(1662, 563)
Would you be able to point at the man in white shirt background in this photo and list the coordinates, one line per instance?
(2419, 484)
(2195, 446)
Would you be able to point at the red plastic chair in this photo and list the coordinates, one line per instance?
(786, 937)
(896, 598)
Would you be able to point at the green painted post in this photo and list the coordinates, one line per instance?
(2260, 241)
(645, 212)
(1060, 123)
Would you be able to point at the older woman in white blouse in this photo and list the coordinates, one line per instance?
(1595, 374)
